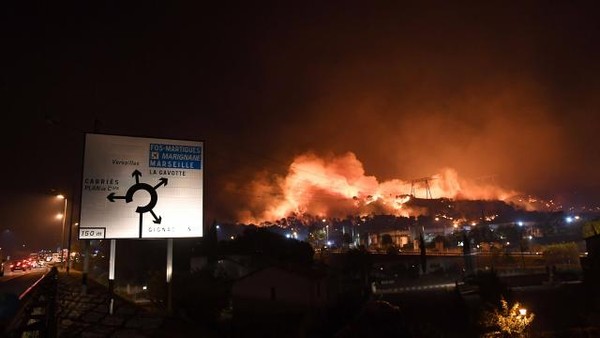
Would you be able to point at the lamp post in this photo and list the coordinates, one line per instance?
(69, 244)
(521, 243)
(64, 220)
(523, 320)
(326, 231)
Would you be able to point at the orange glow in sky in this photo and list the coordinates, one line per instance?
(337, 186)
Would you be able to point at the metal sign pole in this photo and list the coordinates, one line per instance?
(111, 274)
(86, 264)
(169, 274)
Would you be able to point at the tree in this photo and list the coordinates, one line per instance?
(563, 253)
(507, 321)
(316, 236)
(268, 245)
(482, 233)
(509, 233)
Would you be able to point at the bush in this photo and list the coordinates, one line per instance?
(565, 253)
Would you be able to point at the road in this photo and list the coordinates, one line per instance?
(12, 286)
(18, 281)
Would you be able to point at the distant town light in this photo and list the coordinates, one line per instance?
(569, 219)
(523, 311)
(520, 223)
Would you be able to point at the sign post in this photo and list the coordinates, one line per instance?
(111, 275)
(169, 275)
(141, 188)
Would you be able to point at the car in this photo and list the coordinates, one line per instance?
(22, 265)
(33, 263)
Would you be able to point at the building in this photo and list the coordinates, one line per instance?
(397, 238)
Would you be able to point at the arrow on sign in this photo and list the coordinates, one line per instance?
(111, 197)
(163, 181)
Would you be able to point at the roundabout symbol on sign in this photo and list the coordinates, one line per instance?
(142, 209)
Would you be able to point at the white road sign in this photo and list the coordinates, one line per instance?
(137, 187)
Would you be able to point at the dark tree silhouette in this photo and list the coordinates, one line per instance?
(269, 245)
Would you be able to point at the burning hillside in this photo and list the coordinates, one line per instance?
(337, 186)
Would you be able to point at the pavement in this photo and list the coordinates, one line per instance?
(87, 314)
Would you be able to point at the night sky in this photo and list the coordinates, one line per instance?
(492, 89)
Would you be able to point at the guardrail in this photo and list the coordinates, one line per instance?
(36, 315)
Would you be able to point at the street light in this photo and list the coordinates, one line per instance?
(523, 311)
(69, 245)
(64, 220)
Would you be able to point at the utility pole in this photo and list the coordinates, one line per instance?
(424, 180)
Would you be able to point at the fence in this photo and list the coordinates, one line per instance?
(36, 313)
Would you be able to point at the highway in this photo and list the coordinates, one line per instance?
(18, 282)
(12, 286)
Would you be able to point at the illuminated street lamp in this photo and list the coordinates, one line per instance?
(64, 220)
(69, 246)
(513, 321)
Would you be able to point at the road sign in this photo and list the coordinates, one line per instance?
(137, 187)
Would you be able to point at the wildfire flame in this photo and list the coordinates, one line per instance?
(338, 187)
